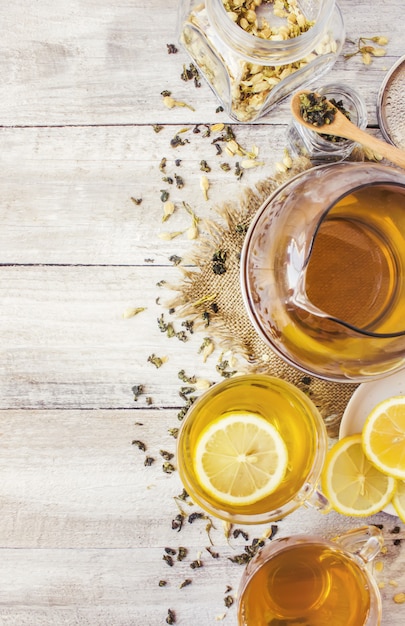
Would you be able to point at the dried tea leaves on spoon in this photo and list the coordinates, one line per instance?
(316, 109)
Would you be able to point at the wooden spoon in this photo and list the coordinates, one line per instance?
(342, 127)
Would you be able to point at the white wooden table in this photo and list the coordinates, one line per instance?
(83, 522)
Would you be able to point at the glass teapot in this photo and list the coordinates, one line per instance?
(323, 271)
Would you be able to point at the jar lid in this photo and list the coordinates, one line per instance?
(391, 105)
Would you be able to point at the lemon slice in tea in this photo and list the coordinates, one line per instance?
(352, 484)
(240, 458)
(398, 500)
(384, 436)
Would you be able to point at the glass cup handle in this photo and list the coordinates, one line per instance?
(314, 499)
(365, 542)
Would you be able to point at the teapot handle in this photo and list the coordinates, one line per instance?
(365, 542)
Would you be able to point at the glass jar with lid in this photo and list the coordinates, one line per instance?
(254, 53)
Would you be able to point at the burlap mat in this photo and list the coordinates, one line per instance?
(214, 301)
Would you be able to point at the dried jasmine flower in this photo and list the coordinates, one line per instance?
(204, 167)
(160, 283)
(166, 455)
(170, 103)
(228, 600)
(148, 461)
(171, 48)
(156, 360)
(170, 551)
(397, 542)
(136, 201)
(157, 128)
(139, 444)
(168, 468)
(162, 583)
(185, 583)
(168, 179)
(207, 348)
(219, 109)
(247, 164)
(177, 163)
(164, 195)
(225, 166)
(162, 165)
(368, 51)
(196, 564)
(137, 390)
(205, 185)
(396, 530)
(171, 617)
(168, 210)
(167, 236)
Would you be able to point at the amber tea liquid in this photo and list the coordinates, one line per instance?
(308, 584)
(357, 264)
(288, 412)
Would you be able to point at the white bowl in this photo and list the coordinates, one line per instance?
(362, 402)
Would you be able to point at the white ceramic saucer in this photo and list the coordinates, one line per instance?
(364, 399)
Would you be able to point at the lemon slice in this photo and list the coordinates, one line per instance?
(399, 500)
(384, 436)
(351, 483)
(240, 458)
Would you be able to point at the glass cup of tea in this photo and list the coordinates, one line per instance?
(310, 581)
(251, 448)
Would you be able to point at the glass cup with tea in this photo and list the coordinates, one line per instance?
(251, 449)
(310, 581)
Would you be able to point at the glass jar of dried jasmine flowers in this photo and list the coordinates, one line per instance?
(253, 53)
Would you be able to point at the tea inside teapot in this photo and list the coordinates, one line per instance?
(322, 271)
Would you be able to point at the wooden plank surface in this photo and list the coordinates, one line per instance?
(83, 521)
